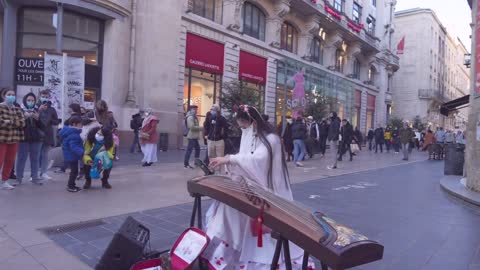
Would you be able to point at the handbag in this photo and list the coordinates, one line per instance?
(355, 148)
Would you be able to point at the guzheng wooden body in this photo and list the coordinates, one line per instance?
(335, 245)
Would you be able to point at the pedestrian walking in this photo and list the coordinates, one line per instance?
(136, 125)
(149, 138)
(299, 134)
(406, 137)
(379, 139)
(347, 136)
(31, 144)
(370, 138)
(288, 140)
(215, 128)
(12, 124)
(333, 137)
(388, 139)
(99, 142)
(323, 131)
(396, 140)
(193, 133)
(358, 138)
(72, 146)
(313, 136)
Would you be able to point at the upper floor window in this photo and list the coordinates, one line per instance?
(253, 21)
(317, 51)
(338, 5)
(356, 69)
(371, 25)
(289, 37)
(371, 74)
(357, 13)
(374, 3)
(205, 8)
(339, 59)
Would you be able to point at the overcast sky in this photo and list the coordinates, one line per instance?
(454, 14)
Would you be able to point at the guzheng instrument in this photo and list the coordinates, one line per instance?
(335, 245)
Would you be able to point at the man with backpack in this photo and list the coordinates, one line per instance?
(192, 132)
(136, 125)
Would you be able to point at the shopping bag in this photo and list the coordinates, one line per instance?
(355, 148)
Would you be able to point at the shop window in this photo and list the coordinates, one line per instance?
(289, 37)
(370, 120)
(356, 69)
(82, 37)
(317, 51)
(371, 25)
(338, 5)
(210, 9)
(253, 21)
(201, 89)
(339, 60)
(357, 13)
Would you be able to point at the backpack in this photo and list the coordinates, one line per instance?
(185, 127)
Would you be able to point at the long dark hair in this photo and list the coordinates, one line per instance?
(107, 134)
(263, 128)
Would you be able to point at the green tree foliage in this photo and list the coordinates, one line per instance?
(396, 122)
(318, 106)
(235, 94)
(418, 123)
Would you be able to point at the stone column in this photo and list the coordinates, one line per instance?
(332, 42)
(274, 23)
(381, 84)
(234, 7)
(9, 44)
(306, 38)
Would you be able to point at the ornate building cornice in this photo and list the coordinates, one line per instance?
(114, 7)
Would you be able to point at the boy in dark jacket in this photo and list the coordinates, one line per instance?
(72, 147)
(299, 134)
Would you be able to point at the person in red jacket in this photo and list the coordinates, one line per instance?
(149, 138)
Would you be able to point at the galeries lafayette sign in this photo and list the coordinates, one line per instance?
(204, 54)
(253, 68)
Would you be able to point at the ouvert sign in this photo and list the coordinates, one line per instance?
(29, 71)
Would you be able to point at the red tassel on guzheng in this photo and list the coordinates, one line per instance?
(259, 231)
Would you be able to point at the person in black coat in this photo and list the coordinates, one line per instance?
(323, 130)
(370, 137)
(358, 138)
(136, 125)
(347, 137)
(299, 134)
(333, 137)
(379, 139)
(287, 139)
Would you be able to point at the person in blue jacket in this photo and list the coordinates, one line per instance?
(72, 147)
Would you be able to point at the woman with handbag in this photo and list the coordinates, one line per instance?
(149, 139)
(31, 145)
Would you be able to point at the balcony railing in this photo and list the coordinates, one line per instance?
(432, 94)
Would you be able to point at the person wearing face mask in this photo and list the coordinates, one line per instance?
(49, 118)
(98, 140)
(12, 124)
(31, 145)
(233, 234)
(215, 127)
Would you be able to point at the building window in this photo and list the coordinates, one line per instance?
(253, 21)
(357, 13)
(207, 8)
(371, 74)
(356, 69)
(317, 51)
(371, 25)
(338, 5)
(374, 3)
(289, 38)
(339, 59)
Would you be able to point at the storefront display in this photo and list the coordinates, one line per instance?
(203, 73)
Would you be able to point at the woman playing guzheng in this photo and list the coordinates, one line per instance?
(261, 158)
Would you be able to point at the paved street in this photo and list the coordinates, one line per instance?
(401, 205)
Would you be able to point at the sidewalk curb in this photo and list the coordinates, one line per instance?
(453, 186)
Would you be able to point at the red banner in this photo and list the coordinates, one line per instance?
(358, 98)
(401, 46)
(371, 102)
(253, 68)
(204, 54)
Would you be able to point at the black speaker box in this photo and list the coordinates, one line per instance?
(126, 247)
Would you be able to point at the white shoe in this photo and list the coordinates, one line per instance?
(46, 177)
(6, 186)
(50, 164)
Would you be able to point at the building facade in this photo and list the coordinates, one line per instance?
(432, 70)
(168, 54)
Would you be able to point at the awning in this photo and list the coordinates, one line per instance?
(455, 104)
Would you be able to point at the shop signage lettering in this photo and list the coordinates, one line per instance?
(29, 71)
(296, 103)
(204, 65)
(252, 77)
(253, 68)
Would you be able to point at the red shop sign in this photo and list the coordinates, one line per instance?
(253, 68)
(204, 54)
(371, 102)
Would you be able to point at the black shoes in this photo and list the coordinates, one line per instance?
(187, 167)
(88, 184)
(147, 164)
(105, 184)
(73, 189)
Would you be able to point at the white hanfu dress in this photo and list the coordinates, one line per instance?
(232, 244)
